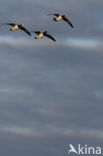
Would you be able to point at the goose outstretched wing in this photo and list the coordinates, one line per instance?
(68, 21)
(51, 37)
(36, 32)
(24, 29)
(53, 14)
(11, 24)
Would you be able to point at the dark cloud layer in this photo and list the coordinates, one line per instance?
(51, 94)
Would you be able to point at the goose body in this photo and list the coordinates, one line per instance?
(58, 18)
(43, 34)
(17, 27)
(40, 35)
(62, 17)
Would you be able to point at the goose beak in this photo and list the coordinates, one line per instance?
(47, 30)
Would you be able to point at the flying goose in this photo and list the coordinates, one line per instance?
(17, 27)
(62, 17)
(42, 34)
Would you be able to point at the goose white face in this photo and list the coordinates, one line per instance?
(47, 30)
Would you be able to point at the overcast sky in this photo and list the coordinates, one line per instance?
(51, 93)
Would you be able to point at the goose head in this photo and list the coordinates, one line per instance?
(47, 31)
(22, 24)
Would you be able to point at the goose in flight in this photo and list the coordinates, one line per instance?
(62, 17)
(42, 34)
(17, 27)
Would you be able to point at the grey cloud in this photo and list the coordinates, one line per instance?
(46, 71)
(51, 93)
(52, 144)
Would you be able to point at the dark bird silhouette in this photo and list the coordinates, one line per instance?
(42, 34)
(62, 17)
(17, 27)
